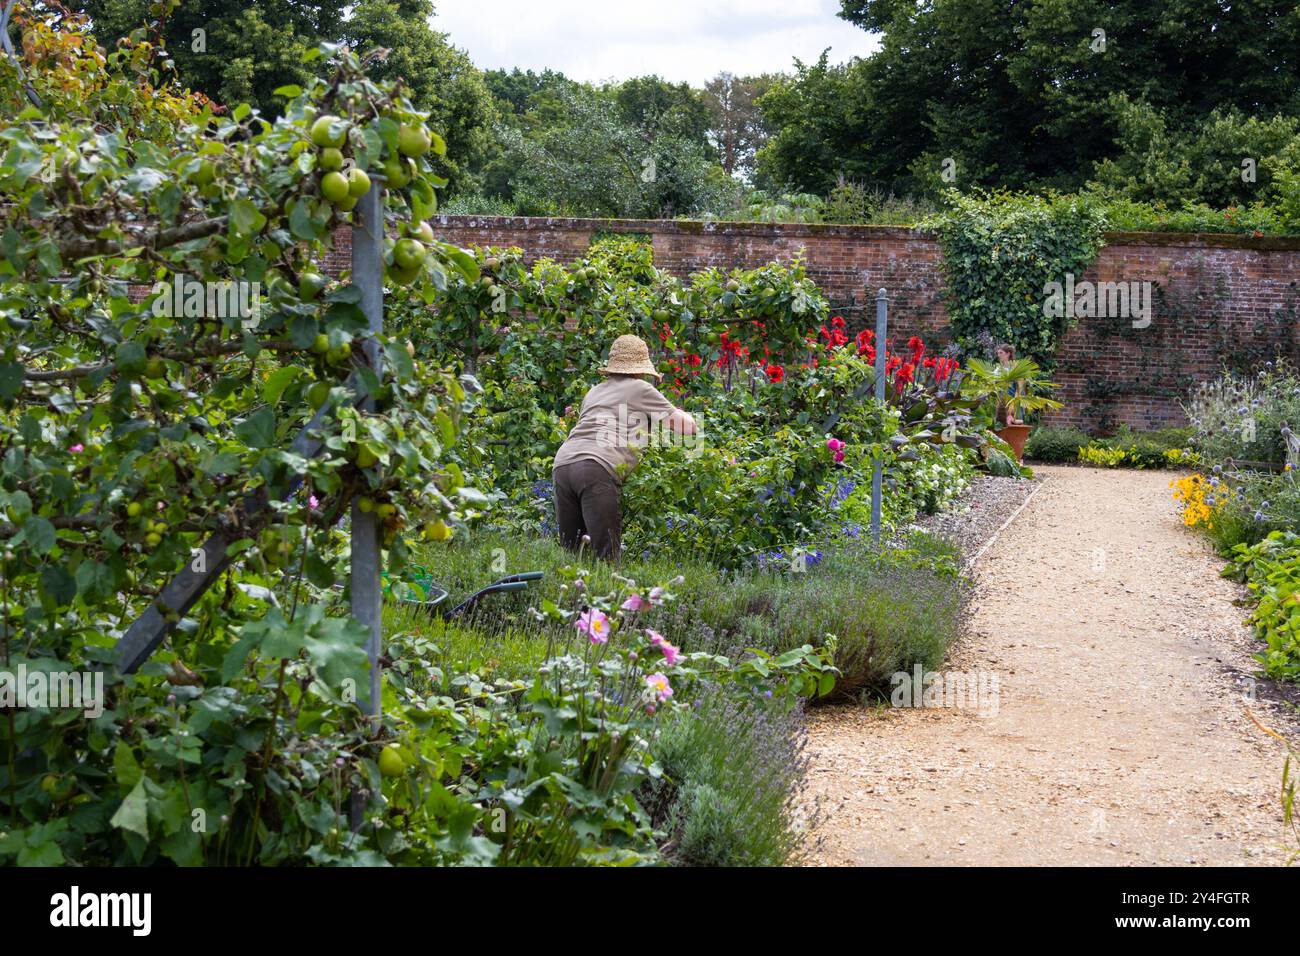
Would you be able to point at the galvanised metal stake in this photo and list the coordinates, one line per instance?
(367, 598)
(882, 324)
(368, 277)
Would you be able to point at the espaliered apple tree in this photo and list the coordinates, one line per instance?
(133, 426)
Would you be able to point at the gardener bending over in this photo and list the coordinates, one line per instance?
(614, 426)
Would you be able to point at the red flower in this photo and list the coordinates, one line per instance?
(943, 368)
(838, 322)
(903, 377)
(774, 373)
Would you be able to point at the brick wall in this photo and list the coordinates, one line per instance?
(1219, 299)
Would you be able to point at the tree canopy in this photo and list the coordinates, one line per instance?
(240, 54)
(1030, 95)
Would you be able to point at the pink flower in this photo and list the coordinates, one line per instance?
(634, 602)
(672, 653)
(656, 596)
(839, 457)
(658, 685)
(313, 502)
(77, 449)
(834, 444)
(595, 625)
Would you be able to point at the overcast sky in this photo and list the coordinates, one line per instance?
(690, 40)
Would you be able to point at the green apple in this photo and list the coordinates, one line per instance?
(348, 204)
(320, 131)
(321, 345)
(318, 394)
(331, 159)
(436, 531)
(402, 276)
(397, 171)
(408, 253)
(420, 230)
(334, 187)
(155, 368)
(413, 141)
(310, 285)
(358, 182)
(280, 287)
(391, 763)
(368, 459)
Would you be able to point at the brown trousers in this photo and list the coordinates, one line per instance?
(587, 503)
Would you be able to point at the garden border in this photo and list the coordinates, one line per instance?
(970, 564)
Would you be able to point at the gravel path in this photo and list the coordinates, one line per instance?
(1118, 732)
(983, 507)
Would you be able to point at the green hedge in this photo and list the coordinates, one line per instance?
(1061, 445)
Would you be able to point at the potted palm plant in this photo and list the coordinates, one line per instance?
(1007, 392)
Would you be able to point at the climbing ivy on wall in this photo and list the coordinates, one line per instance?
(1000, 251)
(1167, 368)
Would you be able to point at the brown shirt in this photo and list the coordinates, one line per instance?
(617, 420)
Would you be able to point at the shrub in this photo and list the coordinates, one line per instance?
(1271, 569)
(886, 613)
(887, 610)
(1002, 465)
(1101, 456)
(1240, 417)
(1055, 445)
(1163, 448)
(1148, 449)
(1255, 504)
(733, 769)
(1000, 250)
(592, 702)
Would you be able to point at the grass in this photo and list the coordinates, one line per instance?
(733, 767)
(887, 611)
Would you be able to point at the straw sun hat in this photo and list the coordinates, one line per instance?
(629, 356)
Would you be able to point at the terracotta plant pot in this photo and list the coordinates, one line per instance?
(1015, 436)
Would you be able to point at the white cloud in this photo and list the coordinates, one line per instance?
(690, 40)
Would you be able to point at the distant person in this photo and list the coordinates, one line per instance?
(1006, 354)
(614, 426)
